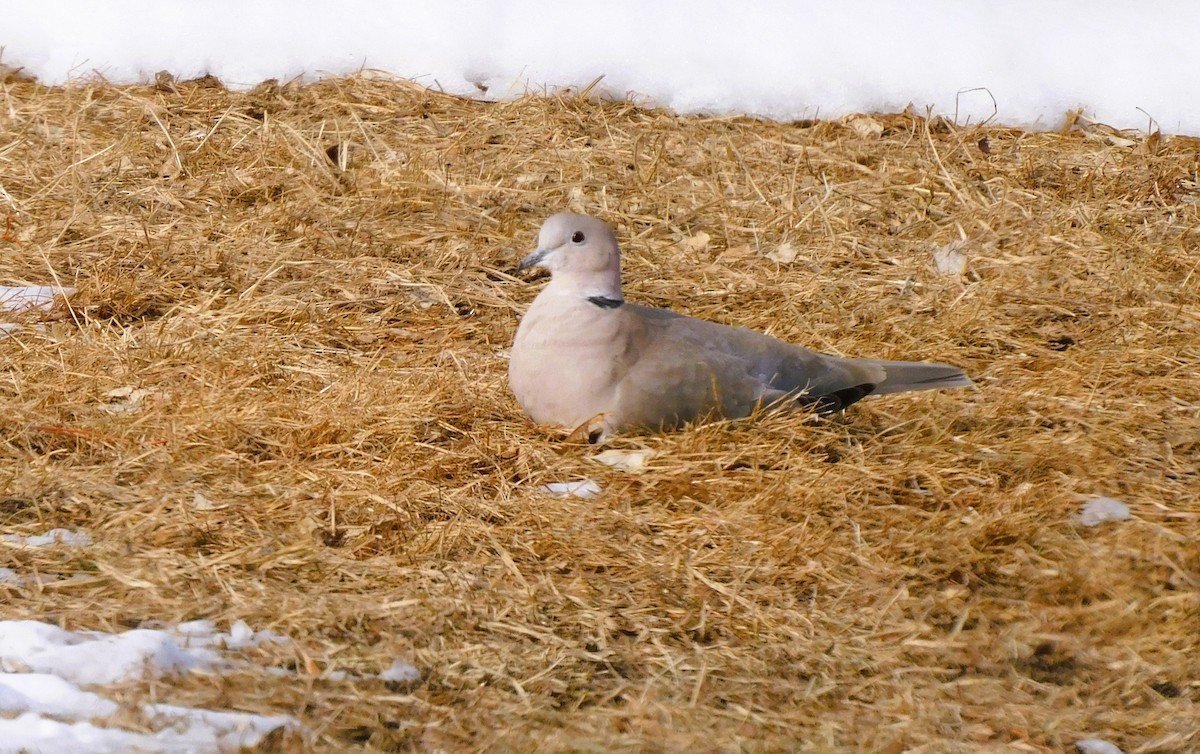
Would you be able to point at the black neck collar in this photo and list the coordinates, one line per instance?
(604, 302)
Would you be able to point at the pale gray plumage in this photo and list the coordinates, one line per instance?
(584, 358)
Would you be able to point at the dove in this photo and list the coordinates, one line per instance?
(585, 359)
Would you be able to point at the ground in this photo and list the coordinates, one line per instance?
(279, 396)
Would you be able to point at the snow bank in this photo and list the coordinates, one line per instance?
(776, 59)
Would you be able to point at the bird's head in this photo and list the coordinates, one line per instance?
(579, 250)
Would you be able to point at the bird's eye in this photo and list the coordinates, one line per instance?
(578, 237)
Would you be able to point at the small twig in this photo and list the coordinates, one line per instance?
(995, 106)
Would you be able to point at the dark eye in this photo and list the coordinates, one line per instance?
(578, 237)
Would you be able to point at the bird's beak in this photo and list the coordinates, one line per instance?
(533, 260)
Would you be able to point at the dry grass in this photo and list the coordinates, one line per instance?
(312, 282)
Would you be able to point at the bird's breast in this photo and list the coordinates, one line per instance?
(566, 362)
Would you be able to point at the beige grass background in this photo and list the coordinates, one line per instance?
(312, 286)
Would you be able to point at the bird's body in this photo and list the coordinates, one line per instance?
(584, 357)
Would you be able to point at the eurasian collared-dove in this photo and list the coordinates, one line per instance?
(584, 358)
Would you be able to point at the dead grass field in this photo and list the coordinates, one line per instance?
(313, 284)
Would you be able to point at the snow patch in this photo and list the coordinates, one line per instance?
(25, 297)
(22, 298)
(43, 670)
(949, 260)
(400, 672)
(584, 488)
(94, 659)
(779, 59)
(1101, 510)
(52, 537)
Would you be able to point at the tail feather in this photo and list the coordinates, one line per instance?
(906, 376)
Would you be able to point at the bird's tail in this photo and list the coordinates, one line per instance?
(906, 376)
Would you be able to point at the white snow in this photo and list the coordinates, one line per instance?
(100, 660)
(1096, 746)
(1101, 510)
(24, 297)
(949, 260)
(43, 669)
(777, 58)
(46, 704)
(400, 672)
(204, 634)
(230, 731)
(21, 297)
(50, 695)
(196, 732)
(584, 488)
(52, 537)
